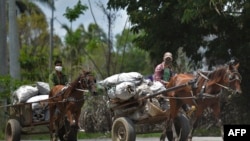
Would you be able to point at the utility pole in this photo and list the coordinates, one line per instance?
(51, 36)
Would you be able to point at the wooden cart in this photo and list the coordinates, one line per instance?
(123, 126)
(20, 121)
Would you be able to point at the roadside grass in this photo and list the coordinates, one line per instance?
(213, 131)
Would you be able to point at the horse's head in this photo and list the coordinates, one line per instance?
(88, 81)
(234, 78)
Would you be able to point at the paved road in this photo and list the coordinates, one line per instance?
(157, 139)
(152, 139)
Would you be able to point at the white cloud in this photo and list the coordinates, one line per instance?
(85, 19)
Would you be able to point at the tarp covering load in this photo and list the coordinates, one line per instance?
(35, 95)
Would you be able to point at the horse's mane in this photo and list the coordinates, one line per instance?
(217, 74)
(71, 86)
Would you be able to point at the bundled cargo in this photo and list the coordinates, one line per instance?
(23, 93)
(43, 88)
(115, 79)
(123, 91)
(124, 86)
(39, 107)
(130, 87)
(35, 95)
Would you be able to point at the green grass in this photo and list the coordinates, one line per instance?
(213, 131)
(149, 135)
(83, 135)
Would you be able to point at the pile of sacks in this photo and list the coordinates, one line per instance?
(35, 95)
(124, 86)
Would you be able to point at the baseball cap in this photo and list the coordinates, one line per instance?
(168, 55)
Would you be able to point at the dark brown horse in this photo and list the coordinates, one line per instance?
(206, 93)
(65, 103)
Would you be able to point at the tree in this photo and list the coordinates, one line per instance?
(3, 39)
(14, 47)
(215, 25)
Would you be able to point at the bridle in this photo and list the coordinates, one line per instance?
(232, 76)
(85, 81)
(236, 78)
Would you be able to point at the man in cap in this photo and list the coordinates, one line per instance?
(163, 71)
(57, 77)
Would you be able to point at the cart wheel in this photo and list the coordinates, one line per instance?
(13, 130)
(182, 126)
(123, 130)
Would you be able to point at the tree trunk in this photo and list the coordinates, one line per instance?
(14, 47)
(3, 39)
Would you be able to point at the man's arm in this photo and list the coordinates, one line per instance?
(158, 74)
(51, 81)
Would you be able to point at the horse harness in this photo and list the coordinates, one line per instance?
(83, 81)
(204, 95)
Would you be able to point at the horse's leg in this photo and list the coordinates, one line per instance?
(175, 106)
(165, 130)
(175, 136)
(70, 122)
(51, 123)
(77, 115)
(216, 113)
(194, 121)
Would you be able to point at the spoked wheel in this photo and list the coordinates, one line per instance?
(13, 130)
(123, 130)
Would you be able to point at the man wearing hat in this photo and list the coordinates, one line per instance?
(163, 71)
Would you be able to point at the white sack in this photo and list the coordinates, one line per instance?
(43, 88)
(134, 77)
(23, 93)
(143, 90)
(39, 107)
(36, 104)
(157, 87)
(123, 91)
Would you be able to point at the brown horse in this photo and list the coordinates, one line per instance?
(65, 103)
(206, 93)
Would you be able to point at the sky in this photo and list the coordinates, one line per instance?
(84, 19)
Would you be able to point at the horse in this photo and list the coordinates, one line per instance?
(65, 103)
(205, 93)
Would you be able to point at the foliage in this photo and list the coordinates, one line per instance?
(183, 64)
(74, 13)
(8, 85)
(169, 25)
(215, 25)
(34, 35)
